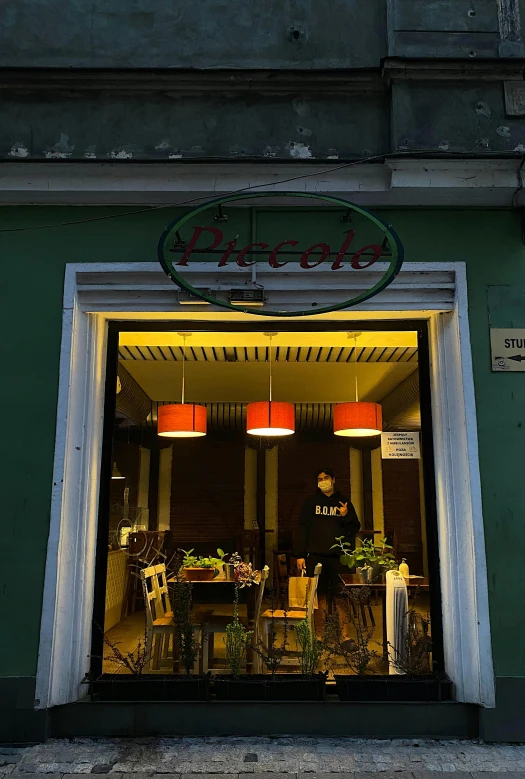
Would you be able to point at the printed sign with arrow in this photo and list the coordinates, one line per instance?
(508, 349)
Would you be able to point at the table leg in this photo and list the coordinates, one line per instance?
(383, 621)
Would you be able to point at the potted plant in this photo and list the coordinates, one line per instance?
(201, 569)
(132, 682)
(237, 635)
(413, 680)
(275, 686)
(354, 655)
(365, 557)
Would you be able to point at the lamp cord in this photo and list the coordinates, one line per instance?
(355, 369)
(183, 366)
(270, 369)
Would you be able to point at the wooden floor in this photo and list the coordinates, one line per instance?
(127, 634)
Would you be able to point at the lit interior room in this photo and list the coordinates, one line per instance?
(220, 439)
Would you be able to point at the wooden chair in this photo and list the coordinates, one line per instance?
(159, 617)
(248, 547)
(292, 617)
(281, 565)
(217, 624)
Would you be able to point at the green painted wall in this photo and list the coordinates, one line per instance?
(33, 263)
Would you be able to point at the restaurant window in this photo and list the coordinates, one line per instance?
(302, 555)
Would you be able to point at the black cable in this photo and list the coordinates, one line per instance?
(383, 157)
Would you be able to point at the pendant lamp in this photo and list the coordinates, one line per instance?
(182, 420)
(357, 419)
(270, 418)
(115, 473)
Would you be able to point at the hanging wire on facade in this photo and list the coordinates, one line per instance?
(363, 161)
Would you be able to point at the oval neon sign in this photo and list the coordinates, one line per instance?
(210, 244)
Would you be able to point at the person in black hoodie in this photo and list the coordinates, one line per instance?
(325, 516)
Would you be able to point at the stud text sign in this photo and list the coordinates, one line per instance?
(507, 347)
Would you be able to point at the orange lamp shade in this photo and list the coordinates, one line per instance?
(270, 418)
(358, 419)
(181, 421)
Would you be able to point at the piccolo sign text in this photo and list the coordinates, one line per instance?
(184, 244)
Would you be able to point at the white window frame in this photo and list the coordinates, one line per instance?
(65, 636)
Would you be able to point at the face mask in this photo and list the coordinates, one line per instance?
(325, 485)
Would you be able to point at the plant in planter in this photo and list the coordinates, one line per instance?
(273, 686)
(312, 649)
(135, 662)
(273, 652)
(187, 645)
(237, 638)
(237, 635)
(201, 568)
(139, 685)
(414, 657)
(379, 558)
(355, 653)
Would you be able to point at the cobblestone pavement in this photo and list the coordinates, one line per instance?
(173, 758)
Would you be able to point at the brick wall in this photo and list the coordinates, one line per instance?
(402, 509)
(207, 495)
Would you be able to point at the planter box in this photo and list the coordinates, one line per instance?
(151, 687)
(200, 574)
(282, 687)
(394, 688)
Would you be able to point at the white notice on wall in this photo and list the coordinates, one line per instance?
(400, 446)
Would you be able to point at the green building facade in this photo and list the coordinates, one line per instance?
(412, 109)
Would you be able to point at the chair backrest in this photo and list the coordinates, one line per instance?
(248, 547)
(161, 585)
(258, 602)
(312, 591)
(151, 599)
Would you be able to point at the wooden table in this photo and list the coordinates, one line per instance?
(352, 580)
(250, 603)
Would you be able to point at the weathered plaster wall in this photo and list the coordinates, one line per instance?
(456, 117)
(186, 34)
(164, 126)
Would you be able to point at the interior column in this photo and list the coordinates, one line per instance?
(271, 539)
(356, 482)
(143, 487)
(377, 491)
(164, 501)
(250, 488)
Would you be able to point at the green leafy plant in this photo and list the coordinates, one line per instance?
(273, 652)
(311, 648)
(136, 661)
(187, 640)
(414, 657)
(237, 638)
(379, 557)
(354, 653)
(192, 561)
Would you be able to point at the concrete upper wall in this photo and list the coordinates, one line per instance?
(188, 34)
(273, 34)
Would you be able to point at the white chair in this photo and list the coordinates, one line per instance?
(292, 617)
(159, 616)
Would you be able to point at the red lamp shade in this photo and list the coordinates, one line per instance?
(358, 419)
(270, 418)
(181, 421)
